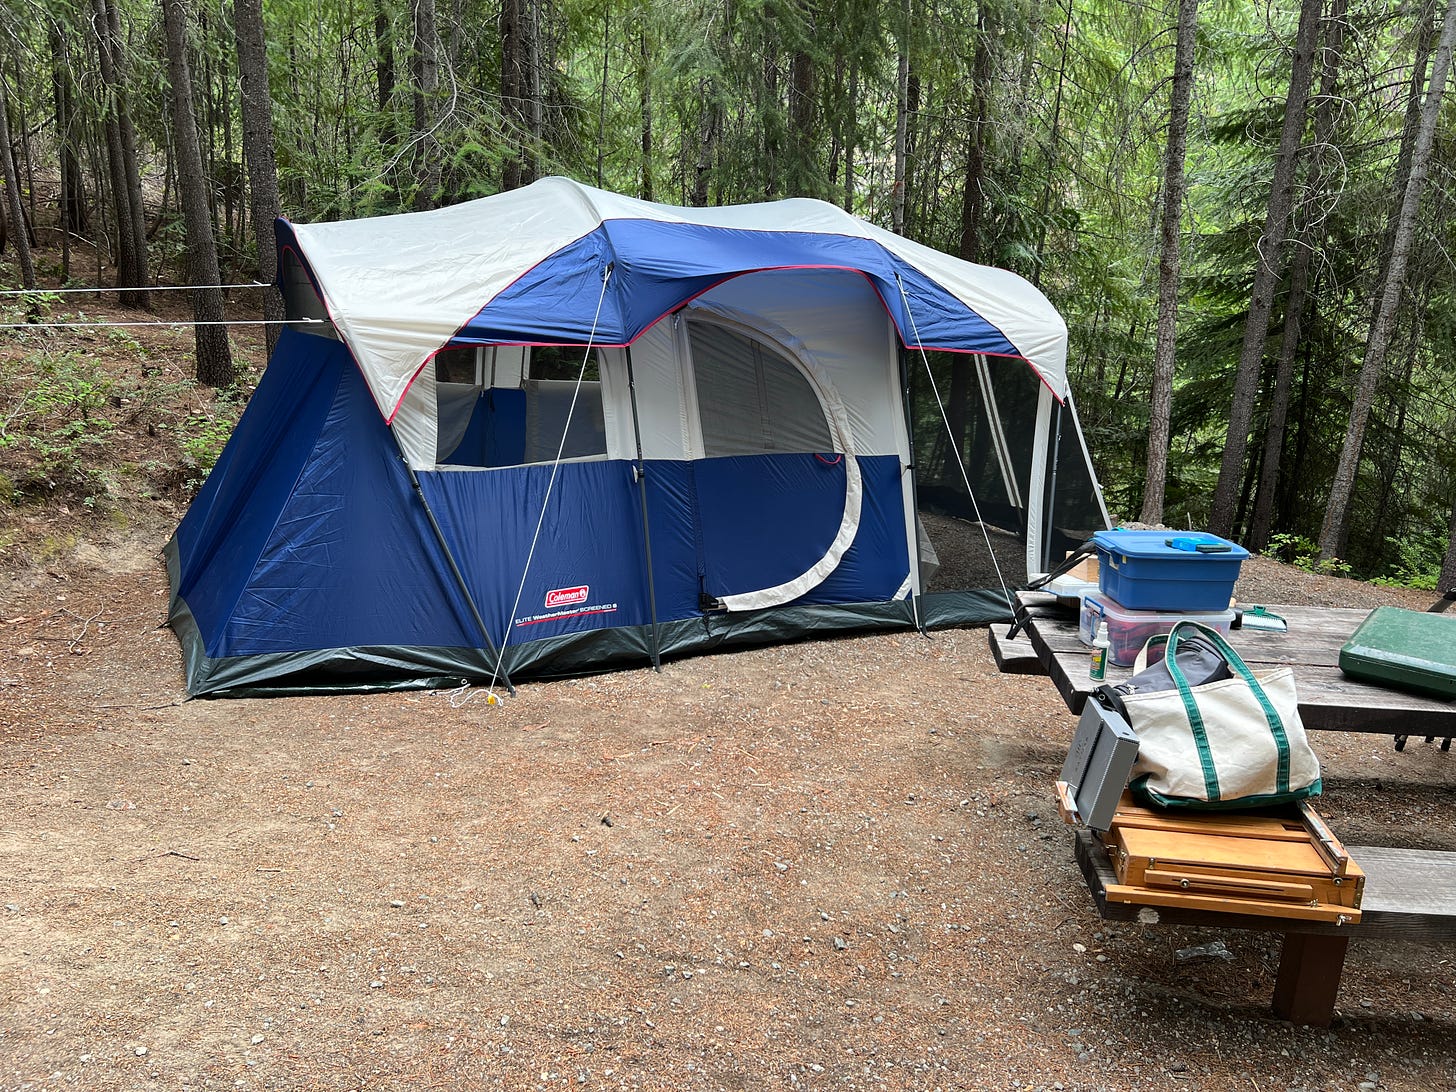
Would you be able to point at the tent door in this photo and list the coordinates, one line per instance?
(777, 486)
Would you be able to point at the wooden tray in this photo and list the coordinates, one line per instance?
(1267, 865)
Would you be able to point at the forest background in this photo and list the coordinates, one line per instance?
(1244, 210)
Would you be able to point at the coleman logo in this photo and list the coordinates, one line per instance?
(562, 597)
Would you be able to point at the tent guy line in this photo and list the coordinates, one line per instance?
(159, 322)
(491, 698)
(148, 288)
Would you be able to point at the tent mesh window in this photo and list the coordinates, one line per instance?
(989, 407)
(301, 299)
(550, 388)
(1072, 501)
(516, 420)
(751, 399)
(457, 405)
(456, 365)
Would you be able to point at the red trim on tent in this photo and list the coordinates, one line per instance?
(392, 412)
(679, 306)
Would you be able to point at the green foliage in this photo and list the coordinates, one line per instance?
(1419, 565)
(202, 435)
(1303, 553)
(58, 423)
(69, 428)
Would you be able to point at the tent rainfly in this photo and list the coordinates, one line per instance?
(559, 430)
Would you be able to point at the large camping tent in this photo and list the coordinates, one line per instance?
(558, 429)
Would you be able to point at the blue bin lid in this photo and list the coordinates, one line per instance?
(1155, 545)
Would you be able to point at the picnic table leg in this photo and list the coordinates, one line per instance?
(1309, 977)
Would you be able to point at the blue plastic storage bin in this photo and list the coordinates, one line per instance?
(1141, 571)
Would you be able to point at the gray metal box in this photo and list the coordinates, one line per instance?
(1099, 763)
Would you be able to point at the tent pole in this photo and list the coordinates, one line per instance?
(640, 472)
(1051, 502)
(916, 615)
(455, 570)
(1036, 490)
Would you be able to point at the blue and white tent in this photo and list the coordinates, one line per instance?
(559, 430)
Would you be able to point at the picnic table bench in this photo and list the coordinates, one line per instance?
(1409, 894)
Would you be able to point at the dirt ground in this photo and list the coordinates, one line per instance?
(830, 865)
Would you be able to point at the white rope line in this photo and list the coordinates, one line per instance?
(491, 697)
(153, 288)
(159, 322)
(945, 419)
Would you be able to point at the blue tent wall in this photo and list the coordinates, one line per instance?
(877, 564)
(225, 529)
(307, 562)
(767, 518)
(306, 553)
(590, 550)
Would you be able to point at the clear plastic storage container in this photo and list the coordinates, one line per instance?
(1129, 630)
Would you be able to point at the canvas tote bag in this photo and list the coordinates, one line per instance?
(1233, 742)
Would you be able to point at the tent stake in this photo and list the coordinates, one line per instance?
(455, 570)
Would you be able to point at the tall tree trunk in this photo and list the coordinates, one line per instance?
(208, 127)
(535, 93)
(131, 165)
(95, 154)
(1394, 455)
(973, 192)
(851, 133)
(384, 73)
(73, 218)
(14, 206)
(1268, 270)
(958, 400)
(803, 140)
(902, 121)
(1332, 532)
(1446, 582)
(513, 69)
(257, 109)
(1053, 139)
(914, 116)
(214, 355)
(771, 133)
(708, 129)
(1169, 264)
(602, 101)
(644, 101)
(1262, 522)
(1419, 70)
(27, 155)
(427, 85)
(60, 93)
(111, 110)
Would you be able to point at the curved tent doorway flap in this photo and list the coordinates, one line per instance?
(778, 488)
(591, 431)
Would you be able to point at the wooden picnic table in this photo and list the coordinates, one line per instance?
(1409, 894)
(1328, 700)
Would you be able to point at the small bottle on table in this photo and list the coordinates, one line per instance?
(1101, 646)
